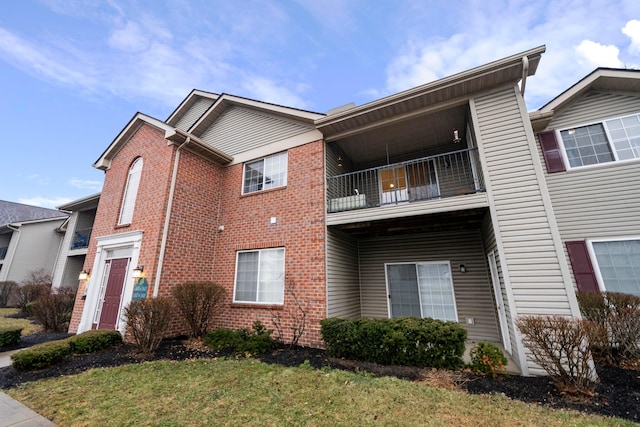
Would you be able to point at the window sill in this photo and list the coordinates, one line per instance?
(256, 305)
(270, 190)
(122, 226)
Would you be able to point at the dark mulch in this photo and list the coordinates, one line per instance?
(617, 395)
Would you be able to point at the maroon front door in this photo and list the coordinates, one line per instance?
(113, 293)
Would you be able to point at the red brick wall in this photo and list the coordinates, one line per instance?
(148, 142)
(208, 196)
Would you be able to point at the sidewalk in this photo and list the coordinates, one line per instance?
(14, 413)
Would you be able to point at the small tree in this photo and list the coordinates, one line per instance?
(148, 322)
(295, 312)
(560, 345)
(6, 289)
(38, 277)
(26, 295)
(197, 303)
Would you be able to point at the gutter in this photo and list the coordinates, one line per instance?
(167, 218)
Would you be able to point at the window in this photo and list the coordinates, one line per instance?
(260, 276)
(618, 263)
(422, 290)
(611, 140)
(130, 192)
(263, 174)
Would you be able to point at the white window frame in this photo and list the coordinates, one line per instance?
(260, 252)
(416, 264)
(602, 122)
(264, 161)
(594, 259)
(131, 192)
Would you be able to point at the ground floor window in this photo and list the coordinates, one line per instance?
(260, 276)
(423, 289)
(618, 263)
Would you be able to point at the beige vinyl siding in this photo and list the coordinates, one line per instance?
(194, 113)
(36, 249)
(473, 294)
(601, 201)
(72, 268)
(490, 245)
(531, 257)
(241, 129)
(343, 284)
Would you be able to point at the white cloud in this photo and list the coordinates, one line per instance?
(632, 30)
(129, 38)
(39, 179)
(45, 202)
(598, 55)
(267, 90)
(86, 184)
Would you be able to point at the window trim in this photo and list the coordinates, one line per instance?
(616, 159)
(263, 159)
(416, 263)
(126, 194)
(594, 259)
(235, 278)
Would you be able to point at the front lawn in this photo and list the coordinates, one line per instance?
(27, 326)
(249, 392)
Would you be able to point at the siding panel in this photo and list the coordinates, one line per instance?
(194, 113)
(343, 286)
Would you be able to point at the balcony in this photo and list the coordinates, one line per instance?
(435, 177)
(81, 238)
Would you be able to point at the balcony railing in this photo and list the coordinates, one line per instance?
(3, 252)
(81, 238)
(433, 177)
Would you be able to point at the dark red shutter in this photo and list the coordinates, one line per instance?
(551, 151)
(582, 267)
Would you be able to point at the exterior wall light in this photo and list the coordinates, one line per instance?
(339, 161)
(84, 275)
(463, 269)
(138, 271)
(456, 136)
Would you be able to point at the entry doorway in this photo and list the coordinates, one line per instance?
(110, 297)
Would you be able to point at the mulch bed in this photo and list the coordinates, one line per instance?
(617, 394)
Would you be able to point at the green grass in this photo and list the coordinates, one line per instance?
(25, 324)
(248, 392)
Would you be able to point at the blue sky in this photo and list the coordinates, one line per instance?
(73, 72)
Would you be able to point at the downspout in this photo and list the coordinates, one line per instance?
(167, 217)
(525, 72)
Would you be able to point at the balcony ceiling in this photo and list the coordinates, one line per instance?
(414, 135)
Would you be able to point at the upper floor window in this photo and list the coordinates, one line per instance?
(266, 173)
(130, 192)
(607, 141)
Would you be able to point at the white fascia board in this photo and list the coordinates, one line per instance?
(183, 107)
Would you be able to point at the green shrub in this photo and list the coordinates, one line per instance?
(148, 322)
(6, 290)
(488, 359)
(197, 303)
(406, 341)
(53, 310)
(560, 346)
(95, 340)
(41, 355)
(255, 341)
(9, 336)
(614, 336)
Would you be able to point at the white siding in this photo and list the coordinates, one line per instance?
(343, 285)
(474, 297)
(194, 113)
(242, 129)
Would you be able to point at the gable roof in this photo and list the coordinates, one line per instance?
(11, 212)
(462, 85)
(186, 105)
(88, 202)
(226, 101)
(601, 80)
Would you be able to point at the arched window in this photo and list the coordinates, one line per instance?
(130, 192)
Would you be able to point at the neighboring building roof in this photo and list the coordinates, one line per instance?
(80, 204)
(459, 86)
(11, 212)
(601, 80)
